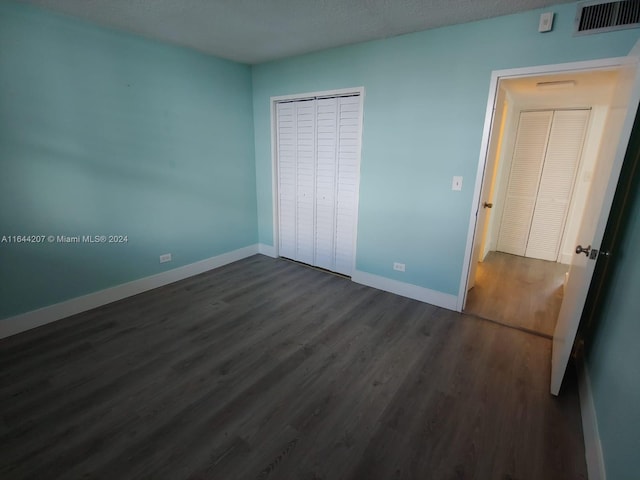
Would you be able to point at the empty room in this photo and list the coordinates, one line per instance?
(319, 240)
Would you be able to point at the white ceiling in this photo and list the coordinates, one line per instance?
(256, 31)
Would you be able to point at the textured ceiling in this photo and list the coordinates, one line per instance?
(256, 31)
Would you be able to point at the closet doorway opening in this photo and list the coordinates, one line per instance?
(316, 141)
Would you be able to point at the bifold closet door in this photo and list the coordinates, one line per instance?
(338, 144)
(556, 184)
(326, 179)
(526, 167)
(305, 180)
(547, 152)
(287, 147)
(348, 149)
(318, 145)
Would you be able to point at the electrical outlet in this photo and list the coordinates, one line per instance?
(398, 266)
(165, 258)
(456, 184)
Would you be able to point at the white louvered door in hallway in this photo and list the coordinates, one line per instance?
(318, 148)
(547, 152)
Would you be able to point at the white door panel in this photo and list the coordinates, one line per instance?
(618, 130)
(524, 178)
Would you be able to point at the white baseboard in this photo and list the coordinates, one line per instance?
(592, 446)
(409, 290)
(35, 318)
(268, 250)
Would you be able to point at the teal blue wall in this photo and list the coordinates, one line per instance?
(104, 132)
(424, 106)
(614, 359)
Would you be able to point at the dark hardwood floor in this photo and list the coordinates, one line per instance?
(521, 292)
(265, 369)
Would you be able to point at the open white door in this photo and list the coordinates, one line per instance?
(481, 222)
(486, 197)
(615, 140)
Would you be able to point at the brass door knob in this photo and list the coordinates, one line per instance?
(581, 249)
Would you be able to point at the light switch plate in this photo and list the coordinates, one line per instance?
(546, 22)
(456, 184)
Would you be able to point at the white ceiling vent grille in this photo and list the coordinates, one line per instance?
(605, 16)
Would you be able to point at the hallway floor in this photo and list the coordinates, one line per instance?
(520, 292)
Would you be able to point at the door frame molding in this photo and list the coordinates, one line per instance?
(496, 76)
(274, 157)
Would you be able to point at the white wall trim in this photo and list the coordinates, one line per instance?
(268, 250)
(35, 318)
(496, 76)
(275, 222)
(592, 446)
(409, 290)
(321, 93)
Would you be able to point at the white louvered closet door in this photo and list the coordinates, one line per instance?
(545, 160)
(326, 178)
(349, 109)
(318, 145)
(556, 184)
(306, 179)
(524, 178)
(286, 138)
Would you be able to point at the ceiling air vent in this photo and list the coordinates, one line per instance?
(602, 16)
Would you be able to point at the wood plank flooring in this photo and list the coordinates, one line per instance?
(265, 369)
(517, 291)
